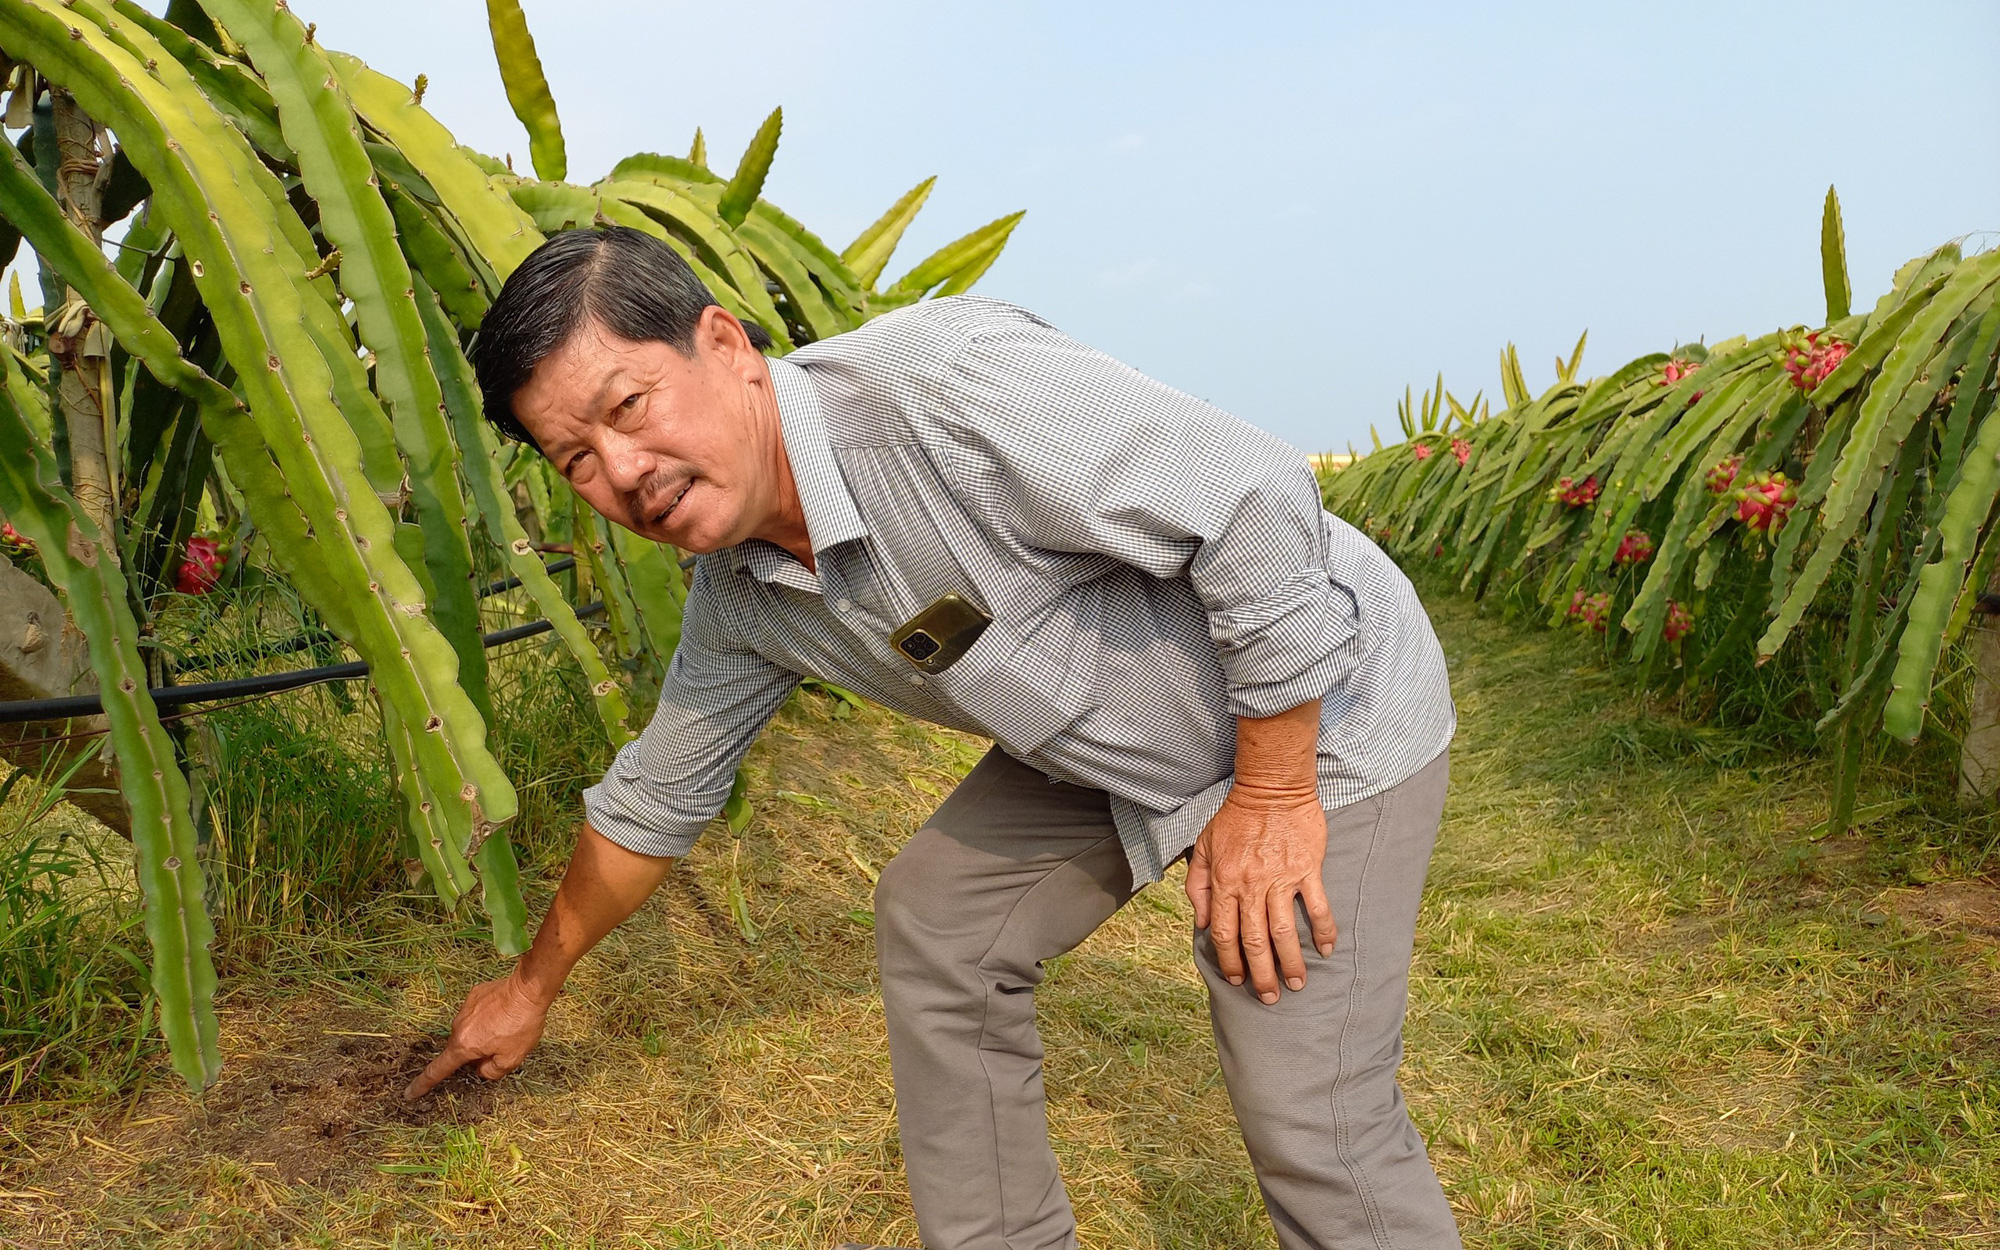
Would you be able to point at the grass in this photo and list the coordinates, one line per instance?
(1649, 1010)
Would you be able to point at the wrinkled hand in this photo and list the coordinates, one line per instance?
(496, 1028)
(1262, 850)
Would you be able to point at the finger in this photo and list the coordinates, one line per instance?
(1319, 913)
(1257, 952)
(1284, 918)
(1222, 936)
(1197, 887)
(453, 1058)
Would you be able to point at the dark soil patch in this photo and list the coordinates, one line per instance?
(1969, 906)
(302, 1101)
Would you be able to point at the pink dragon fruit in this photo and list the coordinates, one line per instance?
(1595, 611)
(1423, 451)
(1680, 622)
(1635, 548)
(1462, 450)
(1575, 494)
(1723, 475)
(1676, 370)
(1764, 502)
(1576, 602)
(201, 570)
(14, 543)
(1437, 551)
(1811, 358)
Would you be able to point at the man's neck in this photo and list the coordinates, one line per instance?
(786, 526)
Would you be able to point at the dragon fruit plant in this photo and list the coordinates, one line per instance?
(1635, 548)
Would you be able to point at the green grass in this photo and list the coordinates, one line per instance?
(1649, 1010)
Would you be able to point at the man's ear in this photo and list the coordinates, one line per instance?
(723, 335)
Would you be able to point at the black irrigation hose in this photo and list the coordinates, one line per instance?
(22, 710)
(321, 637)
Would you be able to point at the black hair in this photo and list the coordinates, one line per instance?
(633, 284)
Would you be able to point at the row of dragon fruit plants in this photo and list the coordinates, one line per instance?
(1821, 497)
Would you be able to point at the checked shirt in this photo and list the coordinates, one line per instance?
(1154, 568)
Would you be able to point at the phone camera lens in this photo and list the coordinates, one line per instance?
(920, 646)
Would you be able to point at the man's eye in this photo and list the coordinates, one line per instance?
(632, 400)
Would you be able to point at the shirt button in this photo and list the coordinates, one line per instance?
(916, 679)
(844, 605)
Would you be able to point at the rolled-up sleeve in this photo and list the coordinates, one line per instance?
(666, 785)
(1061, 447)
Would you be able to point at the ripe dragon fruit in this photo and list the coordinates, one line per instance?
(1594, 611)
(1764, 502)
(1635, 548)
(1723, 475)
(1680, 622)
(1462, 450)
(1575, 494)
(1811, 358)
(1423, 451)
(1676, 370)
(202, 569)
(14, 543)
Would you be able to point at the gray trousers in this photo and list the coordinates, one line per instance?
(1014, 870)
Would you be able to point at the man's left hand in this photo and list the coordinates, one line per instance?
(1263, 849)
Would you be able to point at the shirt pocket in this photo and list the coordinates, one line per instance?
(1023, 685)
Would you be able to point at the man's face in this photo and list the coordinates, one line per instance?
(680, 449)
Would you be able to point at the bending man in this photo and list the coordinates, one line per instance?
(969, 517)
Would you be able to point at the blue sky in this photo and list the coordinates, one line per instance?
(1293, 210)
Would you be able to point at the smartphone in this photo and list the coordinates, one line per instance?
(936, 637)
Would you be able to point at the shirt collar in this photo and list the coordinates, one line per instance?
(830, 514)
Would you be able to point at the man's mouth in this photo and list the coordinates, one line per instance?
(660, 518)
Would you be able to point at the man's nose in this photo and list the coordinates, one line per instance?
(625, 461)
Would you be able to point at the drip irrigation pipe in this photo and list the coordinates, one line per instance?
(322, 637)
(18, 711)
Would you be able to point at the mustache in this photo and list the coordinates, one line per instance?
(652, 492)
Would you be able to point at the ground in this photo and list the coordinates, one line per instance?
(1649, 1009)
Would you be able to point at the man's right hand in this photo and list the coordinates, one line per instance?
(496, 1028)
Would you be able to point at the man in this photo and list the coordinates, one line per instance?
(1174, 648)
